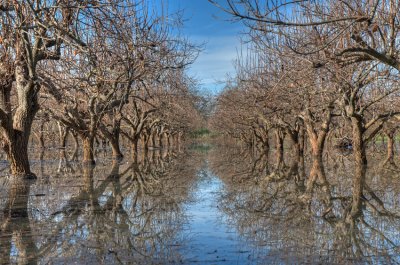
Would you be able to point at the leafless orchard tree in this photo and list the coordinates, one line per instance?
(331, 60)
(81, 62)
(33, 32)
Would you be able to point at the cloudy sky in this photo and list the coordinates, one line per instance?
(206, 24)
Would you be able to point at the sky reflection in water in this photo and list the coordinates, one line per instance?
(223, 206)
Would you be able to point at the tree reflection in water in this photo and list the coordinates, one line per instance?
(291, 218)
(292, 210)
(81, 215)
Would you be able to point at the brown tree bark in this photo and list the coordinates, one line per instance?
(168, 140)
(63, 134)
(297, 137)
(76, 145)
(279, 141)
(113, 136)
(153, 139)
(116, 150)
(160, 140)
(41, 135)
(88, 149)
(390, 147)
(16, 128)
(145, 143)
(135, 145)
(360, 162)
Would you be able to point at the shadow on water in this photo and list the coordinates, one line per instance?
(206, 205)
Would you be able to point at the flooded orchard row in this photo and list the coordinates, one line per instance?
(213, 206)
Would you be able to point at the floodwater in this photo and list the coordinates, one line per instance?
(199, 206)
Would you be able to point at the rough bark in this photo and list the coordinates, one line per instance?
(145, 144)
(76, 145)
(116, 150)
(63, 134)
(360, 162)
(160, 140)
(168, 138)
(41, 134)
(153, 140)
(17, 129)
(135, 144)
(390, 147)
(88, 149)
(279, 138)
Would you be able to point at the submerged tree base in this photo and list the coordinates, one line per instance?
(27, 176)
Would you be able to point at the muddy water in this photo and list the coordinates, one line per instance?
(223, 206)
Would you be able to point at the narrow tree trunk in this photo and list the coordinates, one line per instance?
(76, 146)
(317, 142)
(135, 144)
(390, 148)
(265, 144)
(145, 144)
(115, 143)
(360, 162)
(154, 140)
(63, 140)
(279, 138)
(63, 134)
(116, 150)
(180, 136)
(294, 136)
(88, 149)
(41, 136)
(160, 141)
(301, 141)
(168, 138)
(179, 142)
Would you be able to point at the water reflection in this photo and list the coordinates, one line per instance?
(221, 206)
(291, 218)
(83, 215)
(16, 244)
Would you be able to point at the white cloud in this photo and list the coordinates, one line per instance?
(216, 61)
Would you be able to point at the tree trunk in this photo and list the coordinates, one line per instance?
(265, 144)
(19, 128)
(390, 148)
(180, 136)
(17, 152)
(168, 139)
(63, 134)
(63, 140)
(41, 136)
(76, 145)
(360, 162)
(317, 137)
(279, 138)
(294, 136)
(88, 149)
(160, 140)
(116, 150)
(301, 141)
(135, 144)
(154, 140)
(317, 141)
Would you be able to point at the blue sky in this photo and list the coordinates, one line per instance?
(205, 23)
